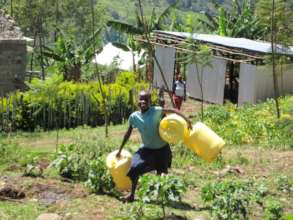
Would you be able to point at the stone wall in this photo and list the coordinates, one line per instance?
(12, 65)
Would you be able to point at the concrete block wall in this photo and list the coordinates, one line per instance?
(12, 65)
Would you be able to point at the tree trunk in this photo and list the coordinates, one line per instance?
(74, 73)
(273, 44)
(133, 62)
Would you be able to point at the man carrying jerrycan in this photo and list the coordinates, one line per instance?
(154, 154)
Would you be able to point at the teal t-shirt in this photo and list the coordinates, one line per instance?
(147, 124)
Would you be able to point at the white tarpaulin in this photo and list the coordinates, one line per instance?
(246, 92)
(213, 81)
(110, 54)
(166, 59)
(256, 82)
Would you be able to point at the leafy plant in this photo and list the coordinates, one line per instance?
(238, 21)
(273, 210)
(99, 179)
(162, 189)
(71, 57)
(231, 199)
(33, 170)
(285, 184)
(70, 163)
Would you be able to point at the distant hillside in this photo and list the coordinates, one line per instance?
(125, 9)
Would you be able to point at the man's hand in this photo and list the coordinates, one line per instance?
(118, 155)
(189, 124)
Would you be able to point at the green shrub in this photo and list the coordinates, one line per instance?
(231, 199)
(9, 153)
(71, 163)
(253, 124)
(85, 161)
(54, 103)
(99, 179)
(273, 210)
(162, 189)
(285, 184)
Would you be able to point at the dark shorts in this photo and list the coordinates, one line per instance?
(146, 160)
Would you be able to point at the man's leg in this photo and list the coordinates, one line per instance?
(163, 160)
(139, 165)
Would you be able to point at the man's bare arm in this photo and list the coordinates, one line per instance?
(171, 110)
(125, 139)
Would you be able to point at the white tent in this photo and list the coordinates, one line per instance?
(111, 53)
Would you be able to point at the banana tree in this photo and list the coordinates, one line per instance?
(239, 21)
(155, 22)
(70, 57)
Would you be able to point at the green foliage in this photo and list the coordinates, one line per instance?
(33, 170)
(70, 57)
(162, 189)
(252, 124)
(127, 79)
(56, 104)
(283, 19)
(84, 161)
(231, 199)
(99, 178)
(9, 152)
(273, 210)
(236, 21)
(74, 160)
(284, 184)
(70, 163)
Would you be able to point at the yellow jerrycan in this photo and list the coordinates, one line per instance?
(173, 128)
(205, 142)
(118, 168)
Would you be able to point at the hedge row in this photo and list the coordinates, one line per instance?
(54, 103)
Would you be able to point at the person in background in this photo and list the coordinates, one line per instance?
(179, 91)
(154, 153)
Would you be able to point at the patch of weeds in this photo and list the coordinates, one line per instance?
(288, 217)
(231, 199)
(27, 211)
(219, 163)
(99, 179)
(273, 210)
(284, 184)
(162, 190)
(9, 153)
(239, 160)
(33, 170)
(183, 155)
(139, 210)
(71, 162)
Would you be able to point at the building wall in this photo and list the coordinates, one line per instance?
(213, 81)
(12, 65)
(166, 59)
(256, 82)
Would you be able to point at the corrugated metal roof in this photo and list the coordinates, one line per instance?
(242, 43)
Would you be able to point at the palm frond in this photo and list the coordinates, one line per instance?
(166, 13)
(210, 26)
(211, 19)
(124, 27)
(53, 55)
(90, 41)
(121, 46)
(139, 22)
